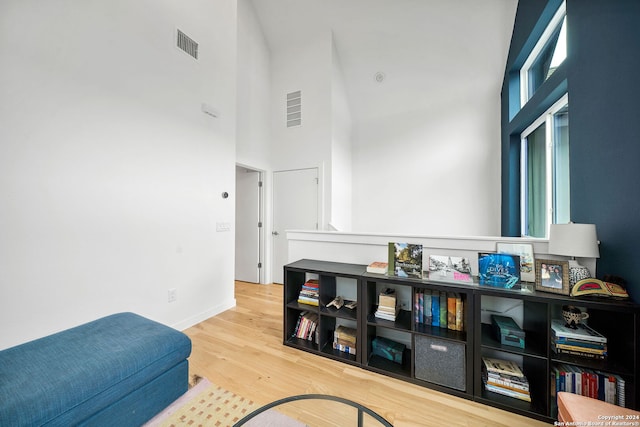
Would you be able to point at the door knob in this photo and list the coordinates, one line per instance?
(275, 233)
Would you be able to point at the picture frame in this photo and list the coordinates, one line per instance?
(552, 276)
(450, 268)
(525, 252)
(499, 270)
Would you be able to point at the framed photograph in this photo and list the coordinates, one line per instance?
(453, 268)
(552, 276)
(525, 252)
(499, 270)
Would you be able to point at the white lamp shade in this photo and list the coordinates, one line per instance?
(576, 240)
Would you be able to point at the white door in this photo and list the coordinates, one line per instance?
(247, 225)
(295, 207)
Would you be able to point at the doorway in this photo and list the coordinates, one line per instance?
(295, 207)
(249, 230)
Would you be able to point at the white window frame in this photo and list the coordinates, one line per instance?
(537, 49)
(547, 119)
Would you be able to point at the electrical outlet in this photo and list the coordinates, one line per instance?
(172, 294)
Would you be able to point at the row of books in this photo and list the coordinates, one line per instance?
(344, 339)
(583, 341)
(310, 293)
(588, 382)
(506, 378)
(307, 326)
(442, 309)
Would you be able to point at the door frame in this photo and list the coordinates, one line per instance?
(261, 219)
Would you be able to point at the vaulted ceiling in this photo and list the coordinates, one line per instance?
(428, 50)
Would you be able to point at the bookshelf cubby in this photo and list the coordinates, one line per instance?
(431, 350)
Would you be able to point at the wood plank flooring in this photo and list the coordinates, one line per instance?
(241, 350)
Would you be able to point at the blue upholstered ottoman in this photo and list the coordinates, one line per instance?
(119, 370)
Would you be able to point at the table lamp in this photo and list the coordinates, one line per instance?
(574, 240)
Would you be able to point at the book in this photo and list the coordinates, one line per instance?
(580, 354)
(451, 311)
(459, 313)
(443, 310)
(378, 267)
(387, 298)
(508, 392)
(559, 346)
(426, 316)
(583, 332)
(344, 339)
(502, 367)
(435, 308)
(405, 260)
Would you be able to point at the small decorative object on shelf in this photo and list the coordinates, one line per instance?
(573, 316)
(388, 349)
(405, 260)
(507, 331)
(597, 287)
(337, 302)
(499, 270)
(505, 377)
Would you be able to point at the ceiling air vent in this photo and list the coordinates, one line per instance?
(294, 109)
(187, 44)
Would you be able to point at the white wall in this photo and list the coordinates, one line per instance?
(305, 66)
(434, 168)
(253, 144)
(341, 160)
(254, 88)
(433, 172)
(110, 174)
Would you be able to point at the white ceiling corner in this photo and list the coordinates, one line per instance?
(427, 49)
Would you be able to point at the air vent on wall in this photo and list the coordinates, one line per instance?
(294, 109)
(187, 44)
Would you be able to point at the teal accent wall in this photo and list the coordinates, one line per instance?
(602, 76)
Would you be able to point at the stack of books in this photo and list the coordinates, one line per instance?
(387, 306)
(583, 341)
(588, 382)
(505, 377)
(307, 326)
(344, 339)
(441, 309)
(309, 294)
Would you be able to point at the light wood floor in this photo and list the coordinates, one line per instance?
(241, 350)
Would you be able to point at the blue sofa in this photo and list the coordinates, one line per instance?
(118, 370)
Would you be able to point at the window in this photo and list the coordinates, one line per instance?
(548, 53)
(544, 166)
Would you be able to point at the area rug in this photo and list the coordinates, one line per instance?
(206, 404)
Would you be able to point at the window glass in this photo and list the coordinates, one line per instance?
(545, 171)
(547, 55)
(536, 183)
(561, 166)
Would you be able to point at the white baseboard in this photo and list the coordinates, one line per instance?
(201, 317)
